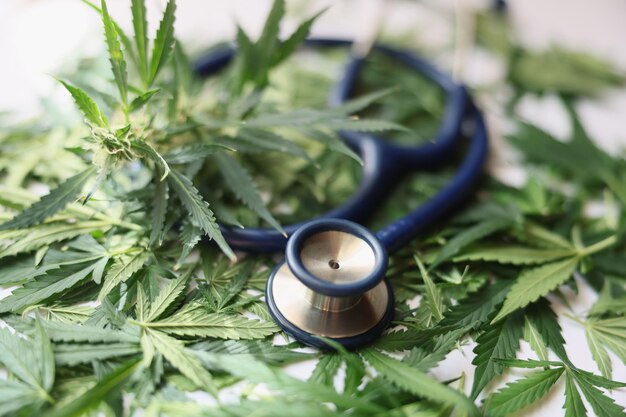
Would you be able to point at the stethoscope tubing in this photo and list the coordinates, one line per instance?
(384, 162)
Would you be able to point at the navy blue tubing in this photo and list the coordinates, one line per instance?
(383, 162)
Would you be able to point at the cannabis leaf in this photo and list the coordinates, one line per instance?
(121, 270)
(198, 209)
(499, 340)
(535, 283)
(606, 333)
(163, 43)
(31, 362)
(418, 383)
(111, 382)
(87, 105)
(523, 392)
(240, 182)
(194, 321)
(470, 235)
(116, 56)
(53, 202)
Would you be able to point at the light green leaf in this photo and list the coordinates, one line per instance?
(53, 202)
(139, 101)
(44, 287)
(255, 371)
(44, 355)
(140, 26)
(535, 283)
(532, 336)
(523, 392)
(198, 209)
(116, 56)
(516, 255)
(241, 183)
(434, 298)
(470, 235)
(196, 322)
(16, 354)
(89, 400)
(85, 333)
(544, 321)
(86, 105)
(166, 296)
(599, 353)
(164, 41)
(606, 333)
(326, 369)
(182, 359)
(122, 269)
(74, 354)
(418, 383)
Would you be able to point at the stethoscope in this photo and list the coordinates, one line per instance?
(332, 283)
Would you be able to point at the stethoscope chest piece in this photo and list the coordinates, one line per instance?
(332, 284)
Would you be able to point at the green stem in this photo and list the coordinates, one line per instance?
(599, 246)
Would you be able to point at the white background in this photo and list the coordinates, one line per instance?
(36, 36)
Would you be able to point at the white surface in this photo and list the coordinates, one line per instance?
(36, 36)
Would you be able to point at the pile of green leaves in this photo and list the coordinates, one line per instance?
(115, 308)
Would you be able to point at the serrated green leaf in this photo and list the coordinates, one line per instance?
(535, 283)
(17, 356)
(164, 41)
(606, 333)
(116, 56)
(198, 209)
(166, 296)
(87, 105)
(111, 382)
(140, 26)
(597, 380)
(290, 45)
(182, 359)
(159, 209)
(523, 392)
(573, 405)
(516, 255)
(141, 100)
(258, 140)
(544, 320)
(190, 235)
(433, 295)
(601, 404)
(44, 356)
(468, 236)
(74, 354)
(196, 322)
(326, 369)
(477, 307)
(44, 287)
(191, 153)
(260, 350)
(252, 370)
(85, 333)
(241, 183)
(121, 270)
(527, 363)
(532, 336)
(418, 383)
(501, 341)
(51, 203)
